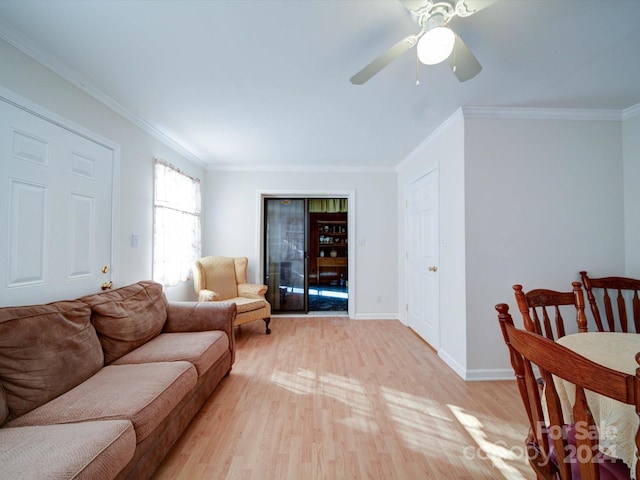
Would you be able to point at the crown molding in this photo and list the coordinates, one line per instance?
(297, 169)
(543, 113)
(46, 59)
(631, 112)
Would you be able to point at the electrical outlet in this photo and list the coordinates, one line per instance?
(379, 298)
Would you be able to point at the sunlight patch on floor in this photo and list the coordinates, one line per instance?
(414, 418)
(342, 389)
(303, 383)
(418, 418)
(497, 452)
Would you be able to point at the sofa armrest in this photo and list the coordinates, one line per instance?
(251, 290)
(200, 316)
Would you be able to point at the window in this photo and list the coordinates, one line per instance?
(176, 229)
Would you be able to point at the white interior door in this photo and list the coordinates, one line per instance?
(423, 308)
(55, 210)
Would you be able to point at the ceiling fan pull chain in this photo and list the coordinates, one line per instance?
(455, 64)
(417, 65)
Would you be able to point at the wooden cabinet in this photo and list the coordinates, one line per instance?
(332, 239)
(332, 252)
(335, 264)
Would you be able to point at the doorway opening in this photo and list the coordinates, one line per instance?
(306, 263)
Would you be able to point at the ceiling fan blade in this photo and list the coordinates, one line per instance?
(462, 62)
(473, 6)
(464, 8)
(383, 60)
(413, 5)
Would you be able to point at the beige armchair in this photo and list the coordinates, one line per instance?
(224, 279)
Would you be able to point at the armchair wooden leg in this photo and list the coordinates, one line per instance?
(266, 322)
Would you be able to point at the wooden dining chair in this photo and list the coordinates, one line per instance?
(537, 305)
(558, 448)
(626, 290)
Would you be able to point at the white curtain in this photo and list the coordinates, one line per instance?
(176, 232)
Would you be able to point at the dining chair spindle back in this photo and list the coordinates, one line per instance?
(559, 447)
(539, 306)
(626, 298)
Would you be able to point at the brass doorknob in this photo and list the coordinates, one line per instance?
(433, 268)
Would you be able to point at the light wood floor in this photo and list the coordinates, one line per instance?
(333, 398)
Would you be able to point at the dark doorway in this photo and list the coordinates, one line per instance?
(306, 249)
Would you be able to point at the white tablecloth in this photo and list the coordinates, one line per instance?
(617, 422)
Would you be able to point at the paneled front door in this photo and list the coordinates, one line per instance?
(55, 210)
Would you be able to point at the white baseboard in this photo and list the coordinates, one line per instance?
(451, 363)
(476, 375)
(483, 374)
(358, 316)
(375, 316)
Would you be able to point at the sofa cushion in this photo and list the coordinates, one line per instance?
(88, 450)
(203, 349)
(45, 350)
(143, 393)
(127, 317)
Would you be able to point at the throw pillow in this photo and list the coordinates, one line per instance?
(45, 350)
(127, 317)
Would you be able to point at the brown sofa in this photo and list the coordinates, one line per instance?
(101, 387)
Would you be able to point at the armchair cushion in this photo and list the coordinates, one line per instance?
(245, 304)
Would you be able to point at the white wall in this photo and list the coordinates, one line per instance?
(444, 149)
(543, 201)
(22, 75)
(530, 201)
(631, 154)
(232, 225)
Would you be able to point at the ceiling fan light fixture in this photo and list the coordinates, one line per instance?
(436, 45)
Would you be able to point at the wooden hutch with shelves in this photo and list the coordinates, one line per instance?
(330, 244)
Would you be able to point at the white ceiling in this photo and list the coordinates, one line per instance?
(258, 84)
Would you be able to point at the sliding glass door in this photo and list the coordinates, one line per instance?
(306, 249)
(286, 254)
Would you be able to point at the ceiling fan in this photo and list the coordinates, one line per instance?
(435, 41)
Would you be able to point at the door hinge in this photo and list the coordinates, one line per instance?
(406, 307)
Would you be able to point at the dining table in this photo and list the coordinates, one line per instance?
(617, 422)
